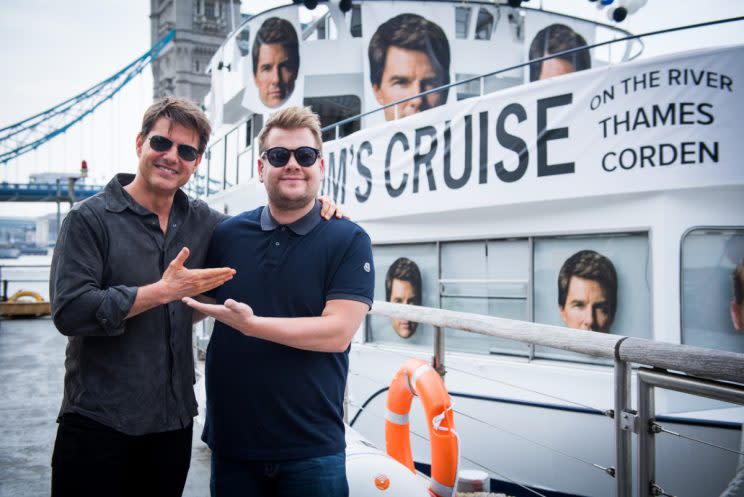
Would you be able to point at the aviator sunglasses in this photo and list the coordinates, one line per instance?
(163, 144)
(279, 156)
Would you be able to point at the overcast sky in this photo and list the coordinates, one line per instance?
(53, 50)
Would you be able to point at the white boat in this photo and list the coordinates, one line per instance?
(490, 190)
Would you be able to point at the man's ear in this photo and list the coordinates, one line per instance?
(261, 167)
(322, 169)
(139, 142)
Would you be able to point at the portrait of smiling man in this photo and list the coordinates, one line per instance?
(276, 61)
(408, 54)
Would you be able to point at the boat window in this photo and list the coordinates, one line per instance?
(490, 84)
(333, 109)
(485, 277)
(462, 22)
(712, 265)
(216, 167)
(324, 28)
(612, 296)
(413, 271)
(521, 279)
(356, 21)
(483, 25)
(243, 41)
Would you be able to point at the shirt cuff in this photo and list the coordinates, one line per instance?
(115, 307)
(350, 296)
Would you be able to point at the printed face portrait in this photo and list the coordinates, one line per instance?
(587, 291)
(586, 306)
(554, 39)
(274, 77)
(407, 73)
(403, 286)
(275, 61)
(408, 55)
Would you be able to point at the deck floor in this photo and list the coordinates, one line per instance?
(32, 357)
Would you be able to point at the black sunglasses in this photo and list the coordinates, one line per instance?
(279, 156)
(163, 144)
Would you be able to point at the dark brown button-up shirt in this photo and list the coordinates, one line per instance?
(135, 375)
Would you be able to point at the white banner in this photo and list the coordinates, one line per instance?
(664, 123)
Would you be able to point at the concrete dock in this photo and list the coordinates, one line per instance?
(32, 355)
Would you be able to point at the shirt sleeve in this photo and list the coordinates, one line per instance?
(80, 305)
(355, 277)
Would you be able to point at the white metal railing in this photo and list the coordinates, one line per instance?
(707, 373)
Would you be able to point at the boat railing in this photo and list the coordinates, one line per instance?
(699, 371)
(481, 79)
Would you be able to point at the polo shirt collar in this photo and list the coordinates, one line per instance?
(302, 226)
(117, 199)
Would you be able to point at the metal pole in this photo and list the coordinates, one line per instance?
(59, 194)
(646, 440)
(71, 190)
(623, 431)
(439, 351)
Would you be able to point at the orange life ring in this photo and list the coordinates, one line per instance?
(417, 378)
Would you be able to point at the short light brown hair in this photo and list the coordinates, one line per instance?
(291, 118)
(180, 111)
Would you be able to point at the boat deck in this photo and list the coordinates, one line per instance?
(32, 357)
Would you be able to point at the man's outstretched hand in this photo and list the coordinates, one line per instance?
(235, 314)
(179, 281)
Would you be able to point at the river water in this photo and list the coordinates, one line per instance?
(28, 272)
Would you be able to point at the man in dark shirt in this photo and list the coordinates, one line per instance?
(125, 425)
(275, 383)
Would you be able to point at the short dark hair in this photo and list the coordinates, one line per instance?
(557, 38)
(412, 32)
(737, 279)
(589, 265)
(403, 269)
(180, 111)
(276, 30)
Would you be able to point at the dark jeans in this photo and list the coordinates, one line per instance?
(91, 459)
(312, 477)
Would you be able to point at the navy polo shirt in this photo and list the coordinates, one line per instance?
(267, 401)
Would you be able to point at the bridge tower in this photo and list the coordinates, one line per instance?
(201, 27)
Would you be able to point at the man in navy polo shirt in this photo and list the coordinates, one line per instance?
(278, 357)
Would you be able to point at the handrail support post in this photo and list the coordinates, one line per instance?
(623, 433)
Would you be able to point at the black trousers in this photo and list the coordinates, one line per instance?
(91, 459)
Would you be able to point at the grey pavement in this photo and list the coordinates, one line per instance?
(32, 357)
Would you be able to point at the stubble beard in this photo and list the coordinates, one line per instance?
(285, 203)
